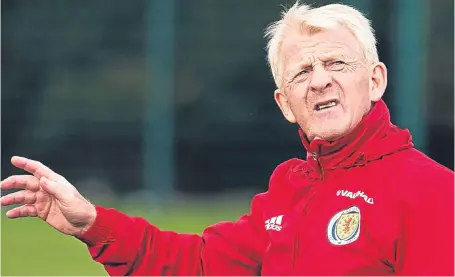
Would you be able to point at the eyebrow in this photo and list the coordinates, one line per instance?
(292, 72)
(303, 63)
(334, 55)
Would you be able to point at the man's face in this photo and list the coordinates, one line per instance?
(327, 85)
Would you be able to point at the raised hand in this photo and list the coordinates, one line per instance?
(47, 195)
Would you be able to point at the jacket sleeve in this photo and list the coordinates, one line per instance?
(131, 246)
(426, 245)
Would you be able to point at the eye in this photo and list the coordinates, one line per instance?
(336, 65)
(305, 71)
(302, 74)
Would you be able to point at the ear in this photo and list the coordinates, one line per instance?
(378, 82)
(282, 102)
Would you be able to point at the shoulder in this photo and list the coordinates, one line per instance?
(424, 179)
(284, 171)
(287, 167)
(417, 165)
(278, 180)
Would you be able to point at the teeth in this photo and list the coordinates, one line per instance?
(325, 106)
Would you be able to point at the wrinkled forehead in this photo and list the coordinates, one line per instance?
(303, 47)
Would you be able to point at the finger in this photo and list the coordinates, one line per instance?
(27, 182)
(53, 188)
(34, 167)
(22, 211)
(19, 197)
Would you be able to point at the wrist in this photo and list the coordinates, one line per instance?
(91, 219)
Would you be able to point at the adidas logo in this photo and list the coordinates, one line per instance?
(274, 223)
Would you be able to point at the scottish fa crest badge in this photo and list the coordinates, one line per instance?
(344, 227)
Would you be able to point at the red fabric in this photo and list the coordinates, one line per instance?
(402, 199)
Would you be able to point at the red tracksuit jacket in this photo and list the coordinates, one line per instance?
(368, 204)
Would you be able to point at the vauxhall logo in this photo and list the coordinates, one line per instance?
(347, 193)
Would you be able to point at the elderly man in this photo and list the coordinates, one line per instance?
(364, 203)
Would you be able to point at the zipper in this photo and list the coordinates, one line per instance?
(315, 157)
(316, 184)
(320, 168)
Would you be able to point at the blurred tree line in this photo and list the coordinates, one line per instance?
(75, 86)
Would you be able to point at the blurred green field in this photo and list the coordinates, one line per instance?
(30, 247)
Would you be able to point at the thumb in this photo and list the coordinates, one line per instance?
(51, 187)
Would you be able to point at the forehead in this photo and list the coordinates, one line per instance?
(298, 46)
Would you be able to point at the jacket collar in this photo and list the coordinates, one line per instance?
(374, 137)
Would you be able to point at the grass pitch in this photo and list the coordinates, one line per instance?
(30, 247)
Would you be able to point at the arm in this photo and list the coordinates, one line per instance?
(132, 246)
(426, 246)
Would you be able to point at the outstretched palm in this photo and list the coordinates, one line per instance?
(49, 196)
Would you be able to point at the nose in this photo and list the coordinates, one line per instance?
(320, 80)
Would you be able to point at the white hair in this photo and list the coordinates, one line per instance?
(304, 17)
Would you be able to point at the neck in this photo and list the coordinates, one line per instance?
(351, 149)
(338, 137)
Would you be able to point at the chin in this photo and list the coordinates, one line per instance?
(331, 134)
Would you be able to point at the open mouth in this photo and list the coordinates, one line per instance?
(326, 105)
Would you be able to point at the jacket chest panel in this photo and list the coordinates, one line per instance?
(340, 226)
(281, 224)
(352, 235)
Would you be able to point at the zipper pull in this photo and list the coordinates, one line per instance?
(315, 157)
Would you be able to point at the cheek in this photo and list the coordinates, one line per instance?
(301, 109)
(355, 91)
(363, 92)
(358, 98)
(298, 98)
